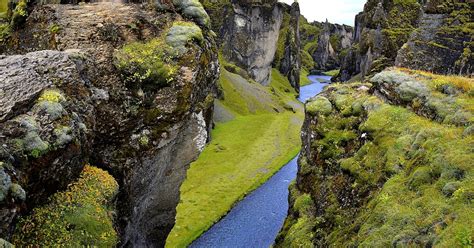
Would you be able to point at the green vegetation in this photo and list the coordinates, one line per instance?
(332, 73)
(261, 135)
(410, 178)
(81, 216)
(304, 80)
(152, 64)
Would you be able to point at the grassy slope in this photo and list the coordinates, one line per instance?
(304, 80)
(243, 154)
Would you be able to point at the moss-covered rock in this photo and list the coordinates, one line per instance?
(180, 34)
(319, 105)
(387, 176)
(80, 216)
(195, 10)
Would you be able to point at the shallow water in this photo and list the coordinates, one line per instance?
(308, 91)
(255, 221)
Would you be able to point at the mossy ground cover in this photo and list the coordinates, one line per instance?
(81, 216)
(243, 154)
(304, 80)
(414, 174)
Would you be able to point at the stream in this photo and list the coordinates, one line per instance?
(255, 221)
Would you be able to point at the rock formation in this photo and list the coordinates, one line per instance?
(377, 167)
(428, 35)
(443, 42)
(288, 56)
(107, 84)
(250, 36)
(333, 43)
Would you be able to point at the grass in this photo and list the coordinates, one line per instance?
(304, 80)
(332, 73)
(244, 153)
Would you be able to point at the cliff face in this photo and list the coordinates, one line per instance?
(385, 163)
(443, 42)
(250, 36)
(288, 56)
(128, 94)
(332, 44)
(433, 35)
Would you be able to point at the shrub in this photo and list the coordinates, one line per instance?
(78, 217)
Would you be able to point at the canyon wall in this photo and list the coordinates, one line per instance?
(333, 43)
(250, 36)
(110, 85)
(288, 55)
(377, 166)
(434, 36)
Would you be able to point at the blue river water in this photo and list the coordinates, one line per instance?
(255, 221)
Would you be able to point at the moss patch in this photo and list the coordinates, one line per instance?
(81, 216)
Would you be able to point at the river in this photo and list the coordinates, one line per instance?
(255, 221)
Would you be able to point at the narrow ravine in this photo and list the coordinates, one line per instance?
(256, 220)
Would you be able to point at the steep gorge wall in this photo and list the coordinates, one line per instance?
(434, 36)
(377, 166)
(288, 55)
(258, 35)
(94, 83)
(250, 36)
(333, 44)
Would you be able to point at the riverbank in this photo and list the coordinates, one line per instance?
(257, 132)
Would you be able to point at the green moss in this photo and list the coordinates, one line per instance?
(319, 105)
(19, 14)
(78, 217)
(180, 34)
(332, 73)
(17, 192)
(146, 63)
(51, 95)
(54, 29)
(5, 32)
(415, 173)
(195, 10)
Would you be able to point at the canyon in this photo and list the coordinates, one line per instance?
(142, 124)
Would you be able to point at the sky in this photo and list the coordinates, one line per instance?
(336, 11)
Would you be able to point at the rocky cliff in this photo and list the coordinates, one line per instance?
(429, 35)
(126, 87)
(288, 55)
(248, 32)
(333, 43)
(443, 41)
(386, 163)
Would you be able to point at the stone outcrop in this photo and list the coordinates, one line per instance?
(250, 36)
(443, 42)
(377, 169)
(427, 35)
(114, 97)
(333, 43)
(290, 63)
(380, 31)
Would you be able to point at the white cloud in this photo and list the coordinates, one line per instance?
(336, 11)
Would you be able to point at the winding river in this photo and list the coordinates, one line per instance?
(255, 221)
